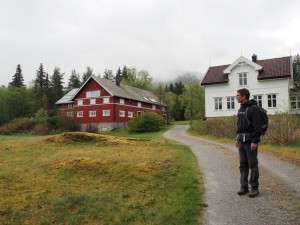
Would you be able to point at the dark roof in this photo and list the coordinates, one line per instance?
(125, 91)
(68, 97)
(271, 69)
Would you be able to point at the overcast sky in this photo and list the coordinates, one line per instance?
(164, 37)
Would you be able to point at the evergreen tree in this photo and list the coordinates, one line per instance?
(87, 74)
(108, 74)
(74, 80)
(56, 86)
(296, 72)
(124, 73)
(179, 88)
(18, 80)
(171, 88)
(40, 85)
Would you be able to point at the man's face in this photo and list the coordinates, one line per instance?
(240, 98)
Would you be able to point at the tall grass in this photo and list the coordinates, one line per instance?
(73, 182)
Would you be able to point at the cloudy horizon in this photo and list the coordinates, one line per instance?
(166, 38)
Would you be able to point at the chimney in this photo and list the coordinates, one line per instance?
(254, 58)
(118, 79)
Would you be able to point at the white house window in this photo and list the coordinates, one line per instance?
(122, 113)
(218, 103)
(121, 101)
(92, 101)
(93, 94)
(272, 101)
(130, 114)
(70, 106)
(92, 113)
(139, 104)
(80, 102)
(153, 107)
(105, 100)
(295, 102)
(243, 79)
(258, 98)
(106, 113)
(80, 114)
(70, 114)
(163, 109)
(230, 102)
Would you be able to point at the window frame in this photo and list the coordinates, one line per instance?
(243, 79)
(105, 112)
(79, 114)
(272, 100)
(92, 113)
(231, 101)
(93, 94)
(92, 101)
(218, 101)
(130, 114)
(80, 102)
(259, 101)
(105, 100)
(122, 101)
(122, 113)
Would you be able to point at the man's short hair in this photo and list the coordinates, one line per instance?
(244, 92)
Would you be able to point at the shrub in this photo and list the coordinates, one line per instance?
(147, 122)
(19, 125)
(218, 127)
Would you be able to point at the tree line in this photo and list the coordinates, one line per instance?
(185, 101)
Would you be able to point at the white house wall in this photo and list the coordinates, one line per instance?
(280, 87)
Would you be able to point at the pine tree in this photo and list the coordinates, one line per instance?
(18, 80)
(40, 86)
(74, 80)
(40, 77)
(56, 86)
(108, 74)
(179, 88)
(87, 74)
(171, 88)
(124, 73)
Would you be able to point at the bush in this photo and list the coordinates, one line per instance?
(147, 122)
(218, 127)
(19, 125)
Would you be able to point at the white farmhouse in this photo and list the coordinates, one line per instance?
(269, 81)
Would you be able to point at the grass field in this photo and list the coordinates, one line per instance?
(95, 179)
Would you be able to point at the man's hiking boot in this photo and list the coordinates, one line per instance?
(243, 191)
(254, 192)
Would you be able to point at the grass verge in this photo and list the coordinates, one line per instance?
(101, 180)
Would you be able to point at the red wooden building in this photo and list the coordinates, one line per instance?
(103, 105)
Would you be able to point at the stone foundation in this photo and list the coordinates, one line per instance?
(101, 127)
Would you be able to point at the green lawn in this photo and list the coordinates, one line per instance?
(98, 180)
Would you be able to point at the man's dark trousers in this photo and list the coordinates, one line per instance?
(248, 160)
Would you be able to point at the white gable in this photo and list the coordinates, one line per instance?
(242, 61)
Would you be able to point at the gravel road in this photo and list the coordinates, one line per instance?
(279, 199)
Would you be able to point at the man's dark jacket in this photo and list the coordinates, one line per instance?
(249, 130)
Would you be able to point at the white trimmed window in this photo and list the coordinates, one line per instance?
(139, 104)
(218, 103)
(80, 114)
(105, 100)
(70, 106)
(163, 109)
(70, 114)
(258, 98)
(153, 107)
(92, 101)
(79, 102)
(122, 101)
(243, 79)
(122, 113)
(92, 113)
(92, 94)
(106, 113)
(230, 102)
(130, 114)
(272, 100)
(295, 102)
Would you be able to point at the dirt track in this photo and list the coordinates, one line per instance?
(279, 199)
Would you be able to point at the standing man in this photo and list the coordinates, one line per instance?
(248, 135)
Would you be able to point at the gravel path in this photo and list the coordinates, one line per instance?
(279, 199)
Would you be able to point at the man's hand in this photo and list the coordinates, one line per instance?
(237, 144)
(254, 146)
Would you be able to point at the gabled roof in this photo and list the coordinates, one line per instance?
(68, 97)
(124, 91)
(268, 69)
